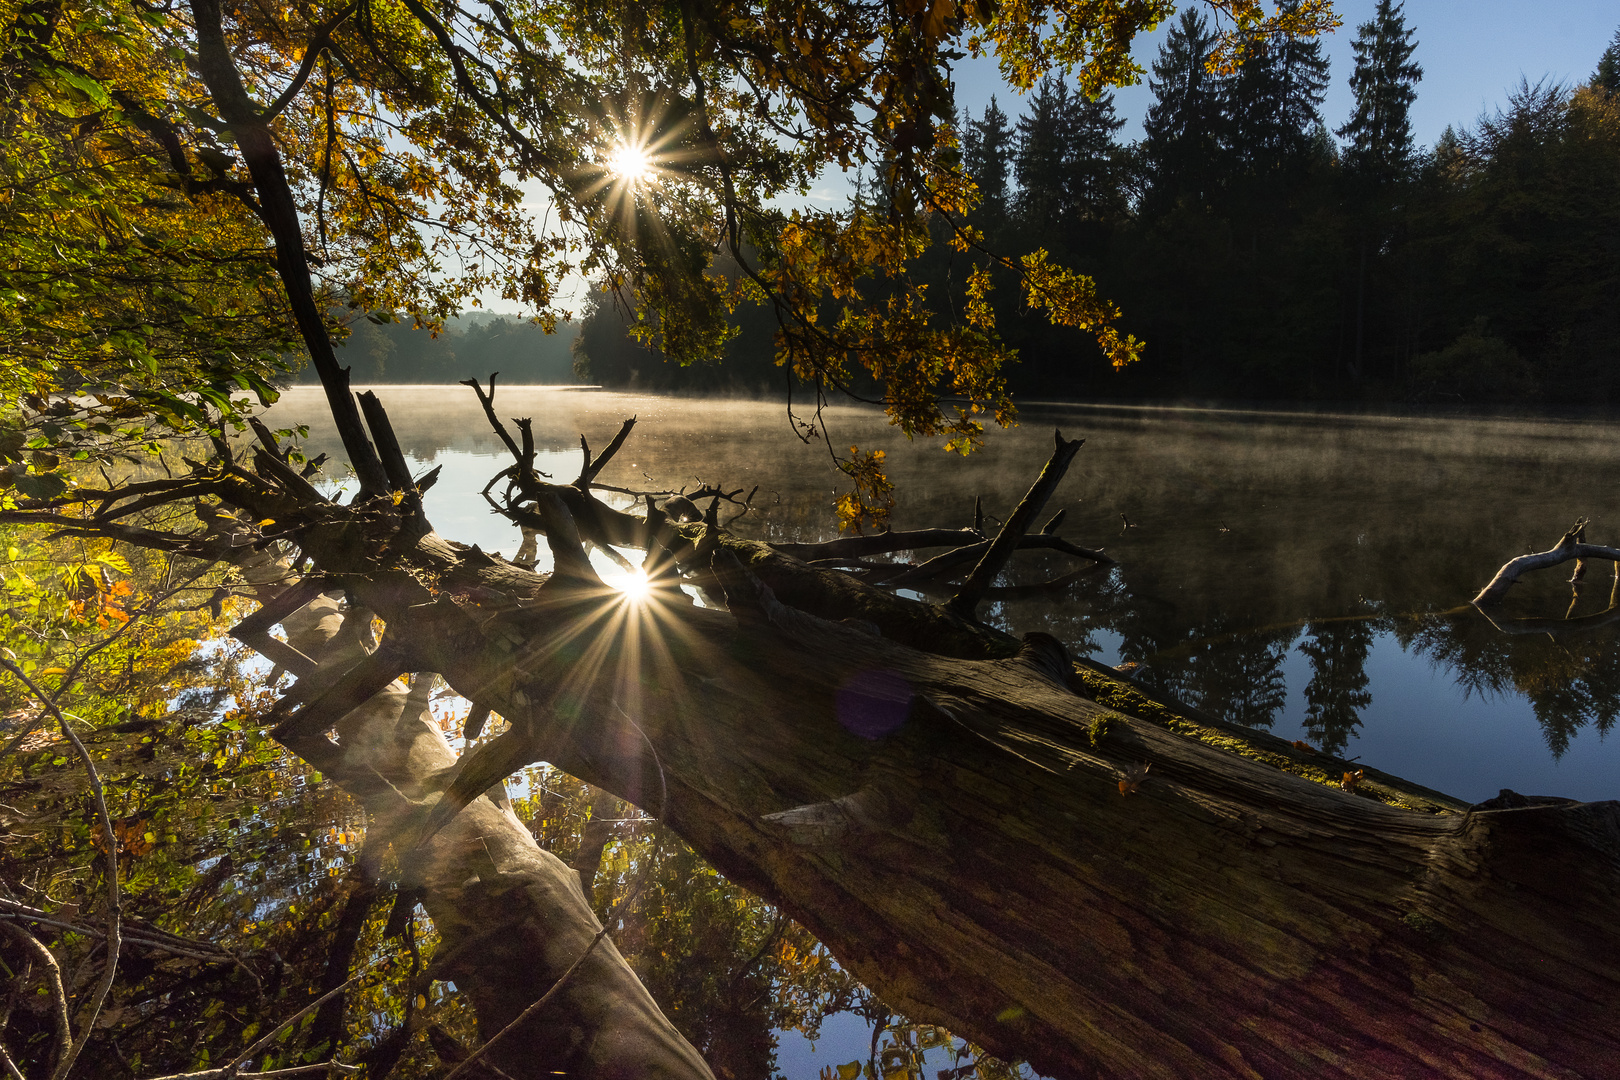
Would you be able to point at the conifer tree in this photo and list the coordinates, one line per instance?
(1093, 186)
(1385, 84)
(1273, 103)
(987, 155)
(1065, 157)
(1043, 151)
(1607, 75)
(1181, 126)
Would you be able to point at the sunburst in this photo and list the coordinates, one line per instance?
(631, 164)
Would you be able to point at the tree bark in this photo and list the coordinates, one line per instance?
(1026, 850)
(954, 831)
(511, 918)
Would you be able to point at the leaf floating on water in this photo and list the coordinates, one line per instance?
(1351, 779)
(1301, 744)
(1132, 778)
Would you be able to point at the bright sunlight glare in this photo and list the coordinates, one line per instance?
(634, 586)
(631, 163)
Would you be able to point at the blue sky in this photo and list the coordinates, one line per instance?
(1472, 52)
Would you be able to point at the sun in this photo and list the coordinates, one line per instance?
(635, 587)
(631, 163)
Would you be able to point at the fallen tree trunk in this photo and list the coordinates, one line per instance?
(512, 919)
(953, 830)
(966, 821)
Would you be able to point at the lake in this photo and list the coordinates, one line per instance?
(1305, 574)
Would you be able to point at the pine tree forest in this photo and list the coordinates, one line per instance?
(1266, 251)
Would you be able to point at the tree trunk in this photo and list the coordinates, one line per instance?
(954, 830)
(511, 918)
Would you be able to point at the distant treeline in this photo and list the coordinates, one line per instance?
(1260, 256)
(469, 345)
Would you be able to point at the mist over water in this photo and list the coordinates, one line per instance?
(1301, 573)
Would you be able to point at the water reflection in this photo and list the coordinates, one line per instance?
(1287, 571)
(1337, 691)
(1298, 574)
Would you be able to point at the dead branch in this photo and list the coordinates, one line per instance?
(1570, 546)
(387, 443)
(590, 468)
(882, 543)
(488, 402)
(64, 1064)
(1023, 516)
(53, 984)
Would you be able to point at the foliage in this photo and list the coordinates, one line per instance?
(1607, 75)
(1182, 126)
(220, 832)
(1384, 82)
(110, 279)
(386, 148)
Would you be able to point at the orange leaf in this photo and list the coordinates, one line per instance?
(1132, 778)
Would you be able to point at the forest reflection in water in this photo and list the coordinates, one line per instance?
(1303, 573)
(1299, 573)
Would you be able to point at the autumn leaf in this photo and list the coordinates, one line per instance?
(1131, 778)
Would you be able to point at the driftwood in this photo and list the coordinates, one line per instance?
(943, 805)
(1572, 545)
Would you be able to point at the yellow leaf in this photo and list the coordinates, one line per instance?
(421, 1001)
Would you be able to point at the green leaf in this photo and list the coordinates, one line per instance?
(48, 486)
(91, 89)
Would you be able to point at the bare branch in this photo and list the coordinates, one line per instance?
(234, 1069)
(65, 1063)
(317, 45)
(592, 468)
(478, 1054)
(488, 402)
(53, 983)
(1007, 540)
(1570, 546)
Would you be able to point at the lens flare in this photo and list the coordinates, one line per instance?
(631, 163)
(635, 587)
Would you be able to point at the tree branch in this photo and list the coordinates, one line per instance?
(65, 1064)
(317, 45)
(1570, 546)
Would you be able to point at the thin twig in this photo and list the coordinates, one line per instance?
(531, 1010)
(219, 957)
(113, 913)
(53, 981)
(233, 1070)
(293, 1070)
(11, 1066)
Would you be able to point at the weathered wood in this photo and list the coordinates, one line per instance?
(1570, 546)
(1023, 516)
(987, 874)
(946, 812)
(511, 918)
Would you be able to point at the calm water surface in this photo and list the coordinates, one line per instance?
(1303, 574)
